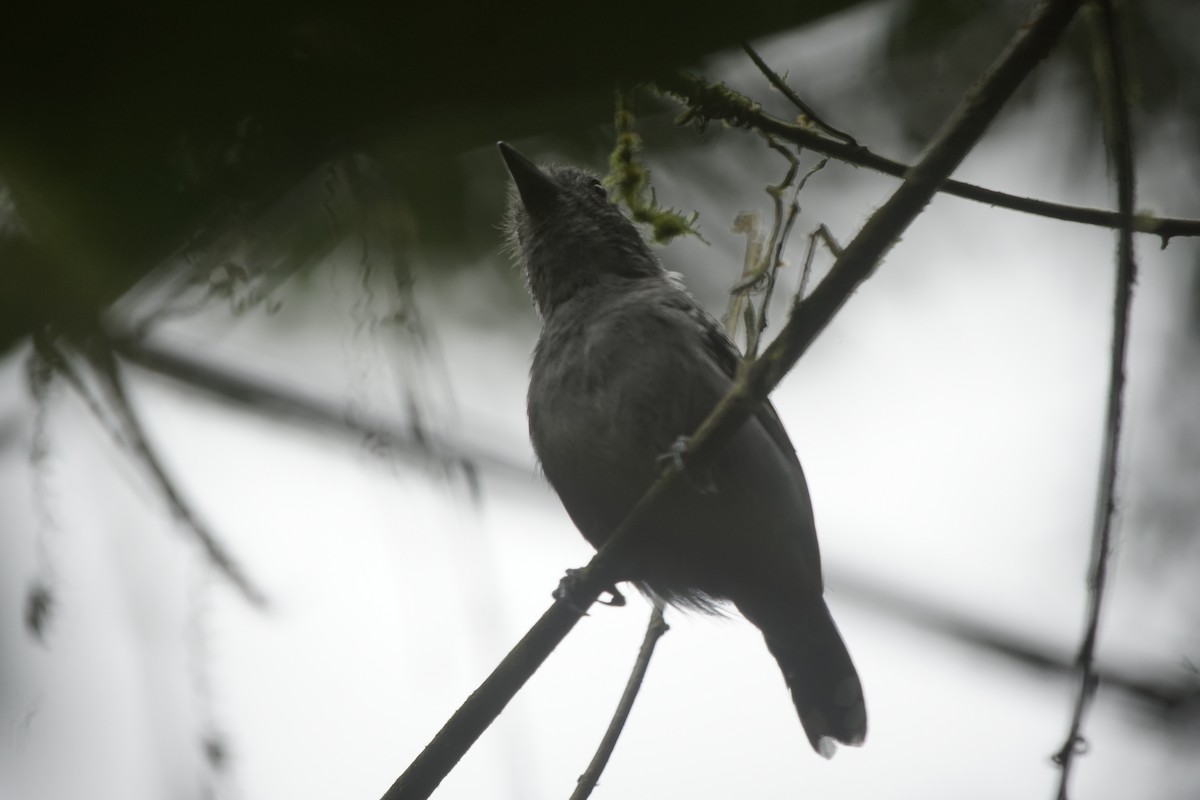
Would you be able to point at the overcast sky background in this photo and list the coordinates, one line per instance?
(948, 421)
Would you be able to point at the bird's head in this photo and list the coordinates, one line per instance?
(567, 234)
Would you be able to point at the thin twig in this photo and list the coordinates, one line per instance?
(707, 101)
(781, 225)
(764, 259)
(105, 366)
(979, 107)
(1111, 75)
(779, 83)
(57, 361)
(740, 308)
(122, 423)
(654, 631)
(820, 234)
(781, 241)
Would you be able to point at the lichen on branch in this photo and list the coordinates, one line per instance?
(628, 182)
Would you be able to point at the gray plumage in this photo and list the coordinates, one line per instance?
(626, 364)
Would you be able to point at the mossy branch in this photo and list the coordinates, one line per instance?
(628, 180)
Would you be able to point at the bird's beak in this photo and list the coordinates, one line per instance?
(536, 188)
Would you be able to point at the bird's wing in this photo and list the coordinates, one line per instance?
(724, 353)
(759, 465)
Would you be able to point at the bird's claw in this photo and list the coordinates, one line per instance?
(615, 598)
(568, 590)
(674, 460)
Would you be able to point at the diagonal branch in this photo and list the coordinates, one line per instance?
(979, 107)
(1111, 75)
(716, 101)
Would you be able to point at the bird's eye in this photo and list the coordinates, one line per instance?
(597, 186)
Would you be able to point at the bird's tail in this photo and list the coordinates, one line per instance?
(817, 667)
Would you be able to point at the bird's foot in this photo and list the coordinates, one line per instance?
(568, 591)
(675, 460)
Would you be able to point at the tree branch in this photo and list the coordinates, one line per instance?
(707, 101)
(1111, 75)
(1029, 46)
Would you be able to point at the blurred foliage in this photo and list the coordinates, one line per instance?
(936, 48)
(129, 130)
(242, 142)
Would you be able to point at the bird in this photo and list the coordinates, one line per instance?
(626, 365)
